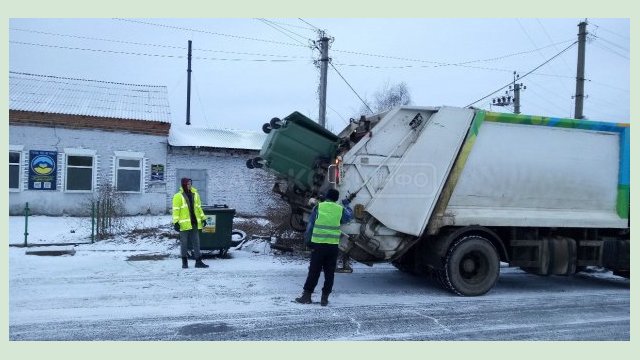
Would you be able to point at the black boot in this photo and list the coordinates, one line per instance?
(185, 263)
(200, 264)
(324, 300)
(305, 298)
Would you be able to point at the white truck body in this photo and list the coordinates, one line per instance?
(457, 190)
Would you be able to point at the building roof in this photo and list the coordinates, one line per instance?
(60, 95)
(216, 138)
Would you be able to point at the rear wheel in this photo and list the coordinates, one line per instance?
(472, 266)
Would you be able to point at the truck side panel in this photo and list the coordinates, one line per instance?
(526, 171)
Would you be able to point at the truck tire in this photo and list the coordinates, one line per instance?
(472, 266)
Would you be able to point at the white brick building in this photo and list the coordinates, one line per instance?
(68, 137)
(215, 159)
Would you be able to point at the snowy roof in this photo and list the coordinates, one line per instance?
(217, 138)
(60, 95)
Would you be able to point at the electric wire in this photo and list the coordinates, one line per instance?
(604, 47)
(544, 29)
(281, 31)
(159, 45)
(315, 27)
(527, 74)
(611, 43)
(272, 23)
(609, 31)
(351, 87)
(152, 55)
(291, 25)
(538, 51)
(207, 32)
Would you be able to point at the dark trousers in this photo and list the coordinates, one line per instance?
(194, 235)
(323, 258)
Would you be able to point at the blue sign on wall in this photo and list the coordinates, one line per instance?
(42, 170)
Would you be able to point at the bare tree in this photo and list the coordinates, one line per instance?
(388, 97)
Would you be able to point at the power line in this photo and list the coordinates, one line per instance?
(278, 28)
(158, 45)
(207, 32)
(337, 113)
(525, 75)
(611, 32)
(535, 45)
(544, 29)
(602, 46)
(273, 23)
(609, 42)
(315, 27)
(438, 64)
(148, 54)
(351, 87)
(460, 64)
(291, 25)
(626, 91)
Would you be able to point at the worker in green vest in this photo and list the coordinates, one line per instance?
(323, 236)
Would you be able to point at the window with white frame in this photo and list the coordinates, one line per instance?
(128, 172)
(14, 170)
(80, 172)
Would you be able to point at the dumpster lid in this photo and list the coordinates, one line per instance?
(217, 207)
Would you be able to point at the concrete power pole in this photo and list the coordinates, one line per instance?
(507, 100)
(324, 63)
(516, 94)
(582, 39)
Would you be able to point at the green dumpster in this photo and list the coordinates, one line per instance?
(217, 234)
(297, 148)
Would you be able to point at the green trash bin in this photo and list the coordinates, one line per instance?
(217, 234)
(297, 148)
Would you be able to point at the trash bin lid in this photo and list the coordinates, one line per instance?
(218, 208)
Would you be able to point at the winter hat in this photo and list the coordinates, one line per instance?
(184, 182)
(333, 195)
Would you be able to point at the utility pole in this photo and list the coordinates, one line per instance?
(582, 39)
(324, 63)
(189, 86)
(507, 99)
(516, 93)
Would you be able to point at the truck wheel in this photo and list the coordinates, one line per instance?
(472, 266)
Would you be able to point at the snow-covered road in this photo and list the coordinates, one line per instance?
(99, 295)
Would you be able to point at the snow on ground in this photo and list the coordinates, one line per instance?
(139, 277)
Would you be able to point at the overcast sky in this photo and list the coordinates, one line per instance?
(248, 70)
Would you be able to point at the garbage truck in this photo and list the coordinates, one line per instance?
(455, 193)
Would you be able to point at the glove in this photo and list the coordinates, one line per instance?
(176, 227)
(346, 202)
(204, 223)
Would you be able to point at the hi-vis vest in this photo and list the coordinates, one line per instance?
(326, 229)
(181, 210)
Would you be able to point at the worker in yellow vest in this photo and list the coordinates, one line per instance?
(323, 235)
(189, 219)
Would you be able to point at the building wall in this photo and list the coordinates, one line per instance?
(59, 202)
(229, 181)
